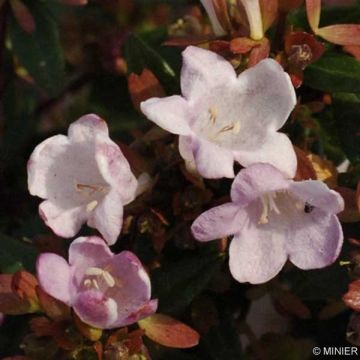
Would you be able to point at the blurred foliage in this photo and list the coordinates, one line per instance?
(78, 60)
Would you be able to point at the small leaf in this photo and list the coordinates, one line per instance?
(169, 332)
(40, 52)
(352, 297)
(353, 50)
(334, 73)
(345, 34)
(313, 10)
(90, 332)
(23, 16)
(140, 56)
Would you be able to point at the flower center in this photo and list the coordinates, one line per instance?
(91, 193)
(217, 129)
(282, 200)
(99, 278)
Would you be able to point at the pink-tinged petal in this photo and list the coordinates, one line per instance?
(315, 240)
(344, 34)
(107, 217)
(202, 71)
(170, 113)
(53, 274)
(96, 309)
(115, 170)
(277, 150)
(216, 26)
(255, 181)
(41, 163)
(142, 312)
(257, 252)
(218, 222)
(85, 128)
(313, 10)
(268, 95)
(185, 149)
(64, 222)
(88, 251)
(317, 194)
(213, 161)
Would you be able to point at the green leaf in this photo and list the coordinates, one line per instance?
(334, 73)
(347, 116)
(40, 52)
(15, 255)
(139, 55)
(176, 284)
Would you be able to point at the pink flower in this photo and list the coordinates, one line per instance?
(106, 290)
(274, 219)
(222, 117)
(83, 177)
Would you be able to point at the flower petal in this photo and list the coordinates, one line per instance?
(133, 288)
(95, 309)
(317, 194)
(107, 217)
(212, 161)
(170, 113)
(249, 184)
(315, 240)
(268, 94)
(85, 128)
(142, 312)
(185, 149)
(202, 71)
(218, 222)
(257, 252)
(63, 222)
(53, 273)
(85, 252)
(41, 162)
(277, 150)
(115, 170)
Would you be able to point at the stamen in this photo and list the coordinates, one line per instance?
(87, 282)
(264, 217)
(91, 206)
(93, 271)
(95, 284)
(87, 189)
(213, 114)
(108, 278)
(236, 129)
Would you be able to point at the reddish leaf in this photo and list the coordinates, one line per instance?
(313, 9)
(269, 10)
(169, 332)
(259, 53)
(352, 297)
(351, 213)
(353, 50)
(289, 5)
(345, 34)
(305, 169)
(292, 304)
(242, 45)
(10, 302)
(143, 87)
(24, 285)
(23, 16)
(53, 308)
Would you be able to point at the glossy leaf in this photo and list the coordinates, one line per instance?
(40, 52)
(169, 332)
(334, 73)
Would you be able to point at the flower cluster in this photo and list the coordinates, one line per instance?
(84, 177)
(223, 117)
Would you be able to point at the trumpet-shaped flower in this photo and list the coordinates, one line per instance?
(274, 219)
(222, 117)
(215, 23)
(83, 177)
(105, 290)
